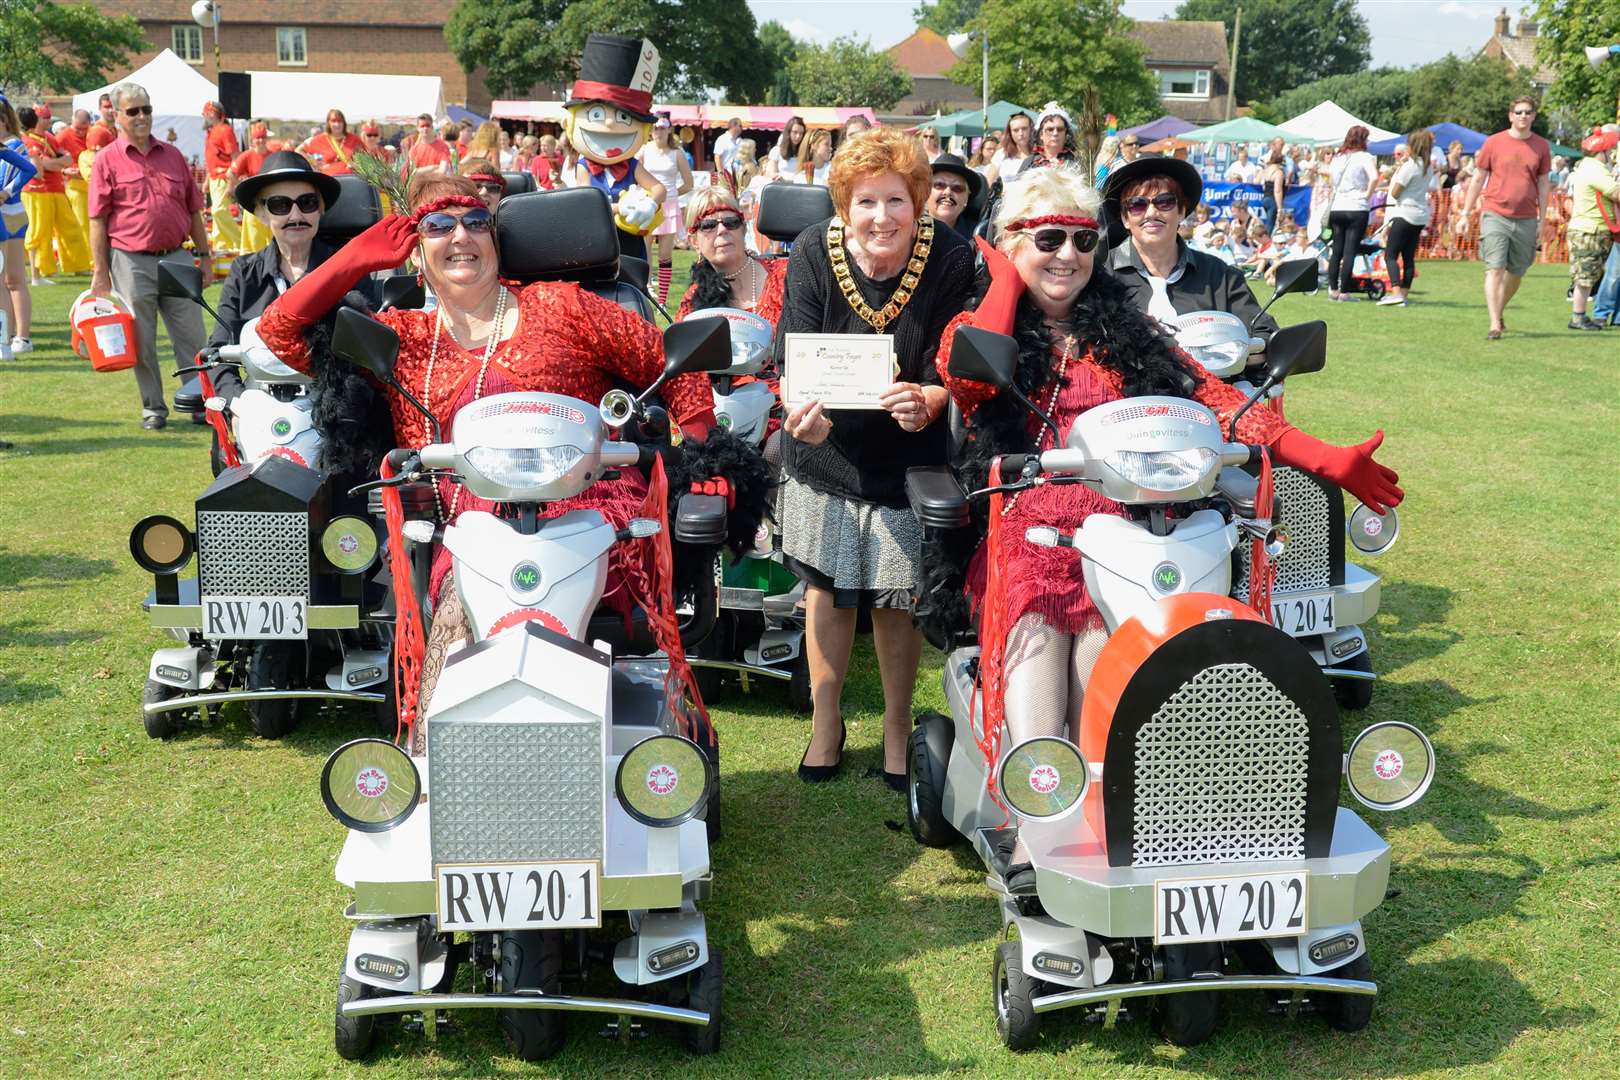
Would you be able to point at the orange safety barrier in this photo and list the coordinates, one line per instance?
(1440, 239)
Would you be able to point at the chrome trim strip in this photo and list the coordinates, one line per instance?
(194, 700)
(408, 1003)
(189, 617)
(1349, 673)
(1068, 999)
(738, 665)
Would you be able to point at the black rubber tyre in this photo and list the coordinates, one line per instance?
(925, 775)
(271, 667)
(1188, 1019)
(532, 960)
(1375, 290)
(353, 1036)
(1348, 1012)
(385, 713)
(164, 724)
(800, 699)
(1354, 693)
(1017, 1022)
(706, 991)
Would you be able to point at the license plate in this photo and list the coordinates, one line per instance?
(1303, 614)
(284, 617)
(520, 896)
(1230, 908)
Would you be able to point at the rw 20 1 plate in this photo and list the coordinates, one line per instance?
(520, 896)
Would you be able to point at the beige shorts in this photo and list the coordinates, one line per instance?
(1588, 252)
(1507, 243)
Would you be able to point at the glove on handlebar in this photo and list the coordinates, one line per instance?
(382, 247)
(1000, 304)
(1351, 467)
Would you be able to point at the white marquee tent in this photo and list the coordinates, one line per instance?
(1326, 124)
(178, 92)
(287, 95)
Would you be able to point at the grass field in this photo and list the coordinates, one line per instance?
(168, 909)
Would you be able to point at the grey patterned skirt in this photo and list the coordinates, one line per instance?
(865, 554)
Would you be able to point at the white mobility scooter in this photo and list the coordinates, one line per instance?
(1191, 842)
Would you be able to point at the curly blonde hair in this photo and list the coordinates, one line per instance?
(873, 153)
(1055, 189)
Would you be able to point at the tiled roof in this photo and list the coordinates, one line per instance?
(923, 53)
(1521, 53)
(1177, 41)
(304, 13)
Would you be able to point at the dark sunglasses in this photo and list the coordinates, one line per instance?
(1164, 201)
(138, 110)
(1524, 112)
(443, 224)
(728, 222)
(281, 205)
(956, 186)
(491, 187)
(1050, 240)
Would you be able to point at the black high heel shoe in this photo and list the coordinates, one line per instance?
(896, 781)
(820, 774)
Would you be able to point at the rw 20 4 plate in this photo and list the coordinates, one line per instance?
(253, 617)
(1230, 908)
(520, 896)
(1303, 614)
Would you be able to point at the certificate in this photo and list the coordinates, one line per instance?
(842, 371)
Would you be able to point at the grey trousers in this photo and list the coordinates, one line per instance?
(135, 279)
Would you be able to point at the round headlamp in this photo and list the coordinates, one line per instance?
(370, 785)
(664, 780)
(1370, 533)
(1390, 766)
(160, 544)
(1043, 778)
(350, 545)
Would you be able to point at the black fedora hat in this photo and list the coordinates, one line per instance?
(286, 165)
(1185, 176)
(952, 164)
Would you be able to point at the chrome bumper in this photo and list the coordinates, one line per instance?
(738, 665)
(409, 1003)
(1068, 999)
(191, 701)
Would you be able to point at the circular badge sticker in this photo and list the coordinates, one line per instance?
(281, 427)
(1167, 577)
(1043, 779)
(371, 782)
(525, 576)
(1388, 765)
(661, 779)
(348, 543)
(724, 420)
(1372, 526)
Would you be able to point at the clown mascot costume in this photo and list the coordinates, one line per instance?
(609, 118)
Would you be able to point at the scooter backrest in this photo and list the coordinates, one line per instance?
(564, 235)
(786, 210)
(518, 183)
(357, 209)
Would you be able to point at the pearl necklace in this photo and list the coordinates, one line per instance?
(753, 280)
(478, 387)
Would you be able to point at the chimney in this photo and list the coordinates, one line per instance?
(1502, 23)
(1527, 28)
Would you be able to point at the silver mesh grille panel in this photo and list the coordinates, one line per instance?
(1220, 773)
(515, 791)
(253, 553)
(1305, 566)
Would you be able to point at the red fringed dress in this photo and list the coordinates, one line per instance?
(567, 341)
(1049, 581)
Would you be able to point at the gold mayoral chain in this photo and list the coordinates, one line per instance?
(908, 280)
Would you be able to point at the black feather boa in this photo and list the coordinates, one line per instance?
(710, 289)
(352, 416)
(721, 454)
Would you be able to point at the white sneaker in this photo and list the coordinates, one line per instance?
(21, 345)
(1391, 300)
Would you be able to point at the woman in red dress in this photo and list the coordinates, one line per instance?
(333, 150)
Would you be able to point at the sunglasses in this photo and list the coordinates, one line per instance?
(441, 224)
(1052, 240)
(1164, 202)
(1524, 112)
(954, 186)
(728, 222)
(281, 205)
(138, 110)
(491, 187)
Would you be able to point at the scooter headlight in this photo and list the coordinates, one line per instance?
(1043, 778)
(1222, 358)
(350, 545)
(524, 467)
(664, 780)
(1390, 766)
(1164, 470)
(370, 785)
(161, 545)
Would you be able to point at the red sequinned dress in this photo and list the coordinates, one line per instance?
(567, 341)
(1048, 581)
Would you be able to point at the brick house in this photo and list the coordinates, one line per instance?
(1188, 58)
(928, 60)
(1519, 49)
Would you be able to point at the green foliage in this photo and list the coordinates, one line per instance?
(1075, 52)
(1475, 93)
(1567, 26)
(60, 48)
(780, 49)
(1288, 43)
(846, 72)
(946, 16)
(1379, 97)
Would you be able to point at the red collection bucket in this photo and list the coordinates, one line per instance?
(104, 332)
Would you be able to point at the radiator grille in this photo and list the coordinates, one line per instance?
(1221, 773)
(1307, 565)
(526, 791)
(253, 553)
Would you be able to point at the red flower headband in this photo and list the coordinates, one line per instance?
(445, 202)
(1051, 219)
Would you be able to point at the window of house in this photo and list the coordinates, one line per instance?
(187, 43)
(1183, 83)
(290, 51)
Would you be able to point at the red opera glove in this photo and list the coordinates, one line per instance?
(716, 485)
(384, 246)
(1351, 467)
(995, 312)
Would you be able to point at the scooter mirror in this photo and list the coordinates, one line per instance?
(365, 343)
(984, 356)
(1297, 276)
(696, 345)
(403, 291)
(1297, 350)
(180, 281)
(1390, 766)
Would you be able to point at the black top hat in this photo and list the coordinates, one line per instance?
(1185, 176)
(618, 70)
(952, 164)
(286, 165)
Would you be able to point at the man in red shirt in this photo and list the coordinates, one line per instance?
(74, 141)
(255, 235)
(50, 215)
(107, 115)
(428, 151)
(1511, 169)
(218, 153)
(143, 205)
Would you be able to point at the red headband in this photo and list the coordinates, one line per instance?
(445, 202)
(1051, 219)
(718, 208)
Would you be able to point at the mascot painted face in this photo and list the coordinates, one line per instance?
(609, 119)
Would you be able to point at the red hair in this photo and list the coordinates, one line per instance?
(873, 153)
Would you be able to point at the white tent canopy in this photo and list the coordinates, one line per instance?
(178, 92)
(287, 95)
(1327, 123)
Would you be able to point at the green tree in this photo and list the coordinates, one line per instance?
(1288, 43)
(1585, 94)
(779, 49)
(946, 16)
(846, 72)
(1475, 93)
(1379, 97)
(61, 48)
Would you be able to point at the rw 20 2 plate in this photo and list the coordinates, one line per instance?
(252, 617)
(520, 896)
(1303, 614)
(1230, 908)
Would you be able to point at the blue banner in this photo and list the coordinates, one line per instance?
(1219, 195)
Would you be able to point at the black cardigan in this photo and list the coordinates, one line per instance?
(251, 286)
(867, 454)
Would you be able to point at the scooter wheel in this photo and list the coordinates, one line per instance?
(1348, 1012)
(160, 725)
(1017, 1022)
(353, 1035)
(925, 777)
(1188, 1019)
(1375, 290)
(532, 960)
(1354, 693)
(705, 992)
(271, 667)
